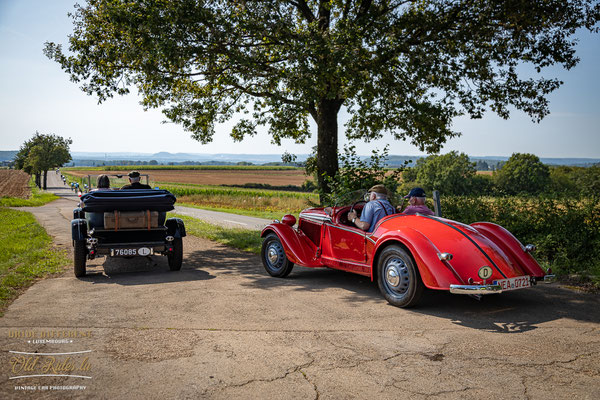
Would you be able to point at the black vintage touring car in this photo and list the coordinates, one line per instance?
(126, 223)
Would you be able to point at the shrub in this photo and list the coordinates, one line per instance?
(450, 173)
(523, 173)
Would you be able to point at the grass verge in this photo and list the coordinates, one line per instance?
(242, 239)
(38, 198)
(26, 254)
(238, 211)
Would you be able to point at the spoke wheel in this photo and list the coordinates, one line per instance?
(273, 257)
(398, 278)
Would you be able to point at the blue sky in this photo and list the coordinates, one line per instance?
(36, 95)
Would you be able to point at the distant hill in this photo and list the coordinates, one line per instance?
(8, 155)
(163, 157)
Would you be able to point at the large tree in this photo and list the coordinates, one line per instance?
(42, 153)
(404, 68)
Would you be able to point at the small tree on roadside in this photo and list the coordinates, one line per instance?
(357, 174)
(42, 153)
(523, 173)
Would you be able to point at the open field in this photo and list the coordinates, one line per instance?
(273, 177)
(14, 183)
(15, 190)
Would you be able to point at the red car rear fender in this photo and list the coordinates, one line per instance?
(435, 274)
(511, 246)
(298, 248)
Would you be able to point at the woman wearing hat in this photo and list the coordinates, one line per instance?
(377, 208)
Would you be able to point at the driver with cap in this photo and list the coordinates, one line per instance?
(416, 203)
(377, 208)
(134, 182)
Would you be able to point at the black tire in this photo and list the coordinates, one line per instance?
(398, 277)
(176, 257)
(273, 257)
(79, 258)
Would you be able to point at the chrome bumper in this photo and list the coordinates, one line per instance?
(475, 289)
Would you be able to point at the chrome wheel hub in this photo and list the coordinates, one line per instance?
(397, 276)
(392, 276)
(273, 255)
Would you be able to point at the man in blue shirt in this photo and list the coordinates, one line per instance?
(377, 208)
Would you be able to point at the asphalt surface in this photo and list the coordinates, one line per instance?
(224, 219)
(222, 328)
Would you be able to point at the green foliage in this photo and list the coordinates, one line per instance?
(450, 173)
(25, 253)
(573, 181)
(356, 175)
(242, 239)
(405, 69)
(523, 173)
(565, 230)
(42, 153)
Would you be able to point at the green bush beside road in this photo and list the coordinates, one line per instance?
(26, 254)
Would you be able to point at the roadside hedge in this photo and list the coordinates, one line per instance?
(565, 230)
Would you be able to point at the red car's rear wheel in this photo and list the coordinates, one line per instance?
(398, 277)
(274, 258)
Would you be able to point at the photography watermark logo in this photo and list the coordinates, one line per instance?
(24, 365)
(30, 365)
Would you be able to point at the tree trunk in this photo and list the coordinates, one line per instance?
(327, 141)
(38, 180)
(45, 179)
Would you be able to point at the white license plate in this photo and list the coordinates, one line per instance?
(518, 282)
(125, 252)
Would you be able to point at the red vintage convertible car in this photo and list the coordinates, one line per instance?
(404, 253)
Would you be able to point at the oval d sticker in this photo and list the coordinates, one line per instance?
(144, 251)
(485, 272)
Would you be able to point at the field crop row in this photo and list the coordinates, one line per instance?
(184, 167)
(14, 183)
(214, 177)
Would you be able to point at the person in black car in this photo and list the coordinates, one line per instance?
(134, 182)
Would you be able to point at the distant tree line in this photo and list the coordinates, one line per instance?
(523, 174)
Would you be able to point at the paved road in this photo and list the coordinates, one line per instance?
(222, 328)
(224, 219)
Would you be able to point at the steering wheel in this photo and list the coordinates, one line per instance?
(355, 204)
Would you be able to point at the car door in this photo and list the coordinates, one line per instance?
(344, 248)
